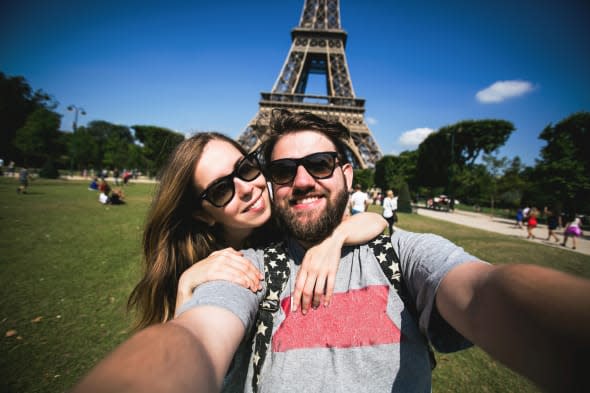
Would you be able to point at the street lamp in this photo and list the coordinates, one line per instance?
(76, 110)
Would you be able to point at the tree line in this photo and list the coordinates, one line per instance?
(31, 136)
(459, 160)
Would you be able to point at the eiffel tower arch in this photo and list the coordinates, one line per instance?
(318, 48)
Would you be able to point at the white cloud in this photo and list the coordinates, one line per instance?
(502, 90)
(371, 121)
(412, 138)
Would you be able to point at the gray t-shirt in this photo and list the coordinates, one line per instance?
(366, 340)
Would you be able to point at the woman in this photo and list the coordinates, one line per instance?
(212, 200)
(573, 230)
(389, 210)
(532, 222)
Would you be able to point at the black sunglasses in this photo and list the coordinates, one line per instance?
(221, 191)
(319, 165)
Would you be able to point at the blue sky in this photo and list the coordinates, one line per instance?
(194, 65)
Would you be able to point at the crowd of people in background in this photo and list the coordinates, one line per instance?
(527, 217)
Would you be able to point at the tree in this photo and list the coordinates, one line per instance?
(364, 177)
(495, 167)
(107, 144)
(157, 143)
(564, 168)
(404, 203)
(456, 146)
(17, 102)
(84, 149)
(39, 138)
(391, 172)
(512, 184)
(472, 185)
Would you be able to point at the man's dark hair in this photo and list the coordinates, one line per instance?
(283, 121)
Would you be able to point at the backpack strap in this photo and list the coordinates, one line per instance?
(276, 272)
(390, 264)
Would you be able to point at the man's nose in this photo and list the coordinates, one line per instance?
(302, 178)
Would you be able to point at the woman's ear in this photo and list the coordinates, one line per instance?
(203, 216)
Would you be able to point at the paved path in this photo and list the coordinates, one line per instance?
(506, 227)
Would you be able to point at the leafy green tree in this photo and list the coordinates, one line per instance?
(472, 185)
(102, 143)
(17, 102)
(391, 172)
(450, 149)
(564, 168)
(512, 184)
(39, 138)
(364, 177)
(84, 149)
(117, 146)
(157, 143)
(495, 167)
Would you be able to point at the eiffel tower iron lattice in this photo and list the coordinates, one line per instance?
(318, 48)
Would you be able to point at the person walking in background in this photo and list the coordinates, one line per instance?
(574, 229)
(390, 209)
(531, 223)
(551, 224)
(519, 218)
(116, 176)
(359, 201)
(23, 180)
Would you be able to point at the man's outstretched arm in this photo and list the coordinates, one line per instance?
(534, 320)
(189, 354)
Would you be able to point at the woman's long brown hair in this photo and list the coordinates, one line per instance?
(173, 239)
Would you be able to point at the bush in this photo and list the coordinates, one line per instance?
(404, 203)
(49, 171)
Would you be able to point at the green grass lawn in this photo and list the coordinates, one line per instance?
(68, 264)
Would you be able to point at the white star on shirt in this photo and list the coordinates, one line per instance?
(273, 295)
(382, 257)
(256, 358)
(262, 328)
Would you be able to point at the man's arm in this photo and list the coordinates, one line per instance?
(189, 354)
(534, 320)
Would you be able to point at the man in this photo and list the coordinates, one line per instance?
(359, 201)
(534, 320)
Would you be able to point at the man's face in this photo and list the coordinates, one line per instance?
(308, 208)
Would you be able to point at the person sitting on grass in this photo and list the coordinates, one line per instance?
(117, 197)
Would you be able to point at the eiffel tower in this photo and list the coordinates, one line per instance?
(317, 48)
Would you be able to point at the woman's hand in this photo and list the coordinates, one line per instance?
(227, 264)
(317, 276)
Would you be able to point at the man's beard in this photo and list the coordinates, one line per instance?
(310, 230)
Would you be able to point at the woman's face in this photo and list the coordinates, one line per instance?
(250, 206)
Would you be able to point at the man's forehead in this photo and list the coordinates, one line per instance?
(298, 144)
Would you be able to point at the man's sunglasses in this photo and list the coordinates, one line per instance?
(221, 191)
(319, 165)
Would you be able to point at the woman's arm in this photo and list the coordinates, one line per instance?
(227, 264)
(317, 275)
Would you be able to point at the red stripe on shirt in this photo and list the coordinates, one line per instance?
(355, 318)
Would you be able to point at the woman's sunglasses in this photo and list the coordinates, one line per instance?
(318, 165)
(221, 191)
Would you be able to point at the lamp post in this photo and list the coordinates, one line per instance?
(77, 110)
(451, 171)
